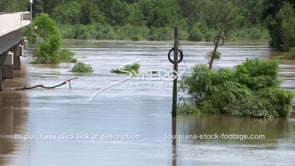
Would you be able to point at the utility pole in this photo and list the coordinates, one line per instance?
(217, 43)
(175, 74)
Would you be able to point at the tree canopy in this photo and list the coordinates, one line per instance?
(48, 40)
(154, 19)
(279, 16)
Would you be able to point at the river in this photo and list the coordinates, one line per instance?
(107, 119)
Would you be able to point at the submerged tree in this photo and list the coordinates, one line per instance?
(48, 40)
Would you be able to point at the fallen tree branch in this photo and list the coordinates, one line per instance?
(47, 87)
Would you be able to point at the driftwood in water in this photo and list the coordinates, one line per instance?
(47, 87)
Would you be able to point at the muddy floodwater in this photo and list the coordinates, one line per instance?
(109, 119)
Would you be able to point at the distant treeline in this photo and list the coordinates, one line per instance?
(154, 19)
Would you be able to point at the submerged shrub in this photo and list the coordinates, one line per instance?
(258, 74)
(187, 108)
(134, 69)
(81, 67)
(217, 54)
(48, 42)
(290, 54)
(67, 56)
(250, 89)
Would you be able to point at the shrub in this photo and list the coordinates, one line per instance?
(217, 54)
(133, 69)
(81, 67)
(187, 108)
(250, 89)
(163, 33)
(49, 40)
(67, 56)
(290, 54)
(257, 74)
(67, 31)
(196, 34)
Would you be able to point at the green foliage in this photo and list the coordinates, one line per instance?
(132, 32)
(196, 34)
(217, 54)
(187, 109)
(290, 54)
(13, 6)
(154, 72)
(69, 15)
(48, 40)
(67, 56)
(286, 17)
(164, 33)
(249, 90)
(133, 69)
(257, 74)
(81, 67)
(279, 17)
(115, 19)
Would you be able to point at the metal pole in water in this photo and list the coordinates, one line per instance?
(174, 141)
(31, 13)
(217, 43)
(175, 74)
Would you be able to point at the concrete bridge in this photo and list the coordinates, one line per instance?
(12, 43)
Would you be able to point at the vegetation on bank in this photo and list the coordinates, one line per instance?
(150, 19)
(137, 33)
(81, 67)
(128, 69)
(290, 54)
(251, 89)
(279, 19)
(154, 20)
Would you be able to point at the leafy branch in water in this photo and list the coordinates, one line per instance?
(81, 67)
(67, 56)
(217, 55)
(134, 69)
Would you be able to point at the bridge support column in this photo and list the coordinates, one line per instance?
(18, 51)
(7, 67)
(1, 84)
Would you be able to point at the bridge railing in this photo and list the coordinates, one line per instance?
(13, 21)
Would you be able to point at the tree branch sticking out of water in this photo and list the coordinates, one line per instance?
(46, 87)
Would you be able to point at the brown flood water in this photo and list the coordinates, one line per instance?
(130, 123)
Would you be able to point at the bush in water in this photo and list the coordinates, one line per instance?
(49, 40)
(67, 56)
(134, 69)
(81, 67)
(290, 54)
(250, 89)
